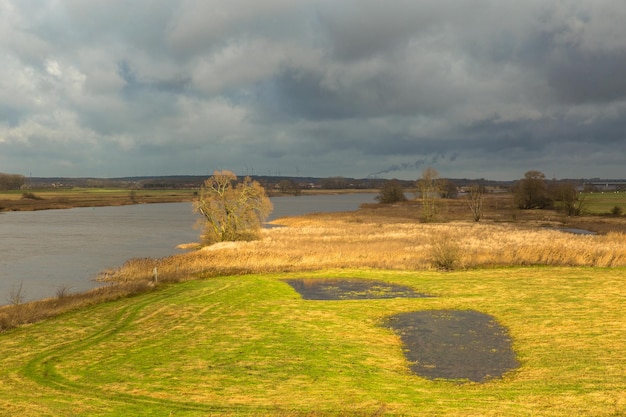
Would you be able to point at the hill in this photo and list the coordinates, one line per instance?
(250, 345)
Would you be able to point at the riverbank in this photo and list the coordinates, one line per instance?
(52, 199)
(497, 207)
(48, 199)
(376, 236)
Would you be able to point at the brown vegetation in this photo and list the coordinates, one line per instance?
(63, 199)
(18, 313)
(232, 210)
(376, 236)
(372, 239)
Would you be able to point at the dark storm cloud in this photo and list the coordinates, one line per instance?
(474, 88)
(589, 76)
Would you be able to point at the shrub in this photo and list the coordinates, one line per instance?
(31, 196)
(446, 253)
(63, 291)
(16, 295)
(391, 192)
(616, 211)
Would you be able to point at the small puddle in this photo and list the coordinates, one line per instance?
(350, 289)
(454, 344)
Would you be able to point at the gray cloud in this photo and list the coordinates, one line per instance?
(473, 88)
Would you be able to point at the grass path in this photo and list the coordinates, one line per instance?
(249, 345)
(42, 368)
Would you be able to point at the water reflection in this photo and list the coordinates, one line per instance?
(454, 344)
(45, 250)
(350, 289)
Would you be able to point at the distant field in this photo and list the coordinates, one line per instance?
(51, 198)
(603, 202)
(85, 197)
(249, 345)
(97, 192)
(57, 198)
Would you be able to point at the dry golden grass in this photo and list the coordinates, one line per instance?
(17, 314)
(357, 240)
(380, 237)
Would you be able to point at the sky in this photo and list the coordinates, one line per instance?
(355, 88)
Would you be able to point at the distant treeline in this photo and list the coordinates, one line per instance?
(11, 181)
(268, 181)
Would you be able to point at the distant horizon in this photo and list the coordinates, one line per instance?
(597, 179)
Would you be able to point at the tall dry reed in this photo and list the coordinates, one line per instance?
(347, 240)
(329, 241)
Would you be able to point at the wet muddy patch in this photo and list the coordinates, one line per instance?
(454, 344)
(350, 289)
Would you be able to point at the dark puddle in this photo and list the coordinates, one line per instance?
(454, 344)
(350, 289)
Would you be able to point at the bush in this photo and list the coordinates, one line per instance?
(63, 291)
(391, 192)
(31, 196)
(446, 253)
(616, 211)
(16, 295)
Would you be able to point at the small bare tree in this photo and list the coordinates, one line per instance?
(474, 199)
(232, 211)
(429, 188)
(16, 295)
(581, 203)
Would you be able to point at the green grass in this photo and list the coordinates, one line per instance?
(249, 345)
(603, 202)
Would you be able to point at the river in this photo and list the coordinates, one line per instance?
(42, 251)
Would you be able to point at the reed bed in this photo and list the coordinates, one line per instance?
(336, 241)
(340, 241)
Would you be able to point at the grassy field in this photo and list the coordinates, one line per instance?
(222, 334)
(249, 345)
(51, 198)
(603, 202)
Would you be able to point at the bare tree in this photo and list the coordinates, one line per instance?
(566, 195)
(11, 181)
(429, 188)
(448, 189)
(16, 295)
(474, 199)
(232, 211)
